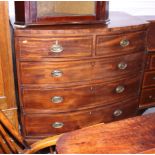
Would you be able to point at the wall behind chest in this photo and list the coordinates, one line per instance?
(138, 7)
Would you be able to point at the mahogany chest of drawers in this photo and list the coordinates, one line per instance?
(148, 90)
(71, 77)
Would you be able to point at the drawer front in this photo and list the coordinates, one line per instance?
(151, 37)
(152, 62)
(71, 99)
(35, 125)
(120, 44)
(148, 97)
(149, 79)
(113, 68)
(55, 47)
(54, 73)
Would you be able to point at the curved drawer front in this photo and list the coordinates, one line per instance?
(51, 124)
(69, 99)
(149, 79)
(152, 62)
(147, 97)
(57, 100)
(113, 68)
(63, 72)
(54, 73)
(55, 47)
(120, 44)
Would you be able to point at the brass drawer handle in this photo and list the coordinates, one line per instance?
(124, 42)
(122, 65)
(57, 125)
(56, 48)
(117, 112)
(120, 89)
(57, 99)
(151, 97)
(56, 73)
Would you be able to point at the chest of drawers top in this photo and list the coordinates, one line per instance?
(119, 22)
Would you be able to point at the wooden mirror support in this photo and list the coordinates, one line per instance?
(28, 13)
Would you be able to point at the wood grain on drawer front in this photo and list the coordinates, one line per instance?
(105, 69)
(149, 79)
(110, 45)
(147, 97)
(110, 92)
(41, 47)
(44, 72)
(152, 62)
(42, 124)
(71, 99)
(113, 68)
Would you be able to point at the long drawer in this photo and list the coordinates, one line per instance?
(64, 72)
(73, 98)
(55, 47)
(147, 97)
(51, 124)
(120, 44)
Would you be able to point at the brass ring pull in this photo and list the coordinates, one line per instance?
(56, 73)
(117, 112)
(122, 65)
(120, 89)
(57, 125)
(124, 42)
(153, 78)
(56, 48)
(151, 97)
(57, 99)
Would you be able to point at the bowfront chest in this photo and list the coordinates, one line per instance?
(74, 76)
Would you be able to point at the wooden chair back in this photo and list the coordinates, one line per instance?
(11, 141)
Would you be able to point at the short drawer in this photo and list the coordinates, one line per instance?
(51, 124)
(117, 67)
(149, 79)
(55, 47)
(151, 61)
(54, 73)
(73, 98)
(120, 44)
(147, 98)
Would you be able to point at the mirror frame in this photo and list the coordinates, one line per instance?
(26, 14)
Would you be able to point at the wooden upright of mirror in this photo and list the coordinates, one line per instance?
(61, 12)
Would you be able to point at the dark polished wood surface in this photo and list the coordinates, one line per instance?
(132, 135)
(148, 90)
(95, 75)
(36, 126)
(37, 100)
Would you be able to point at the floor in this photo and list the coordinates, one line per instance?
(150, 110)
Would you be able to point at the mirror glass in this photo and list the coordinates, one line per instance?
(65, 8)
